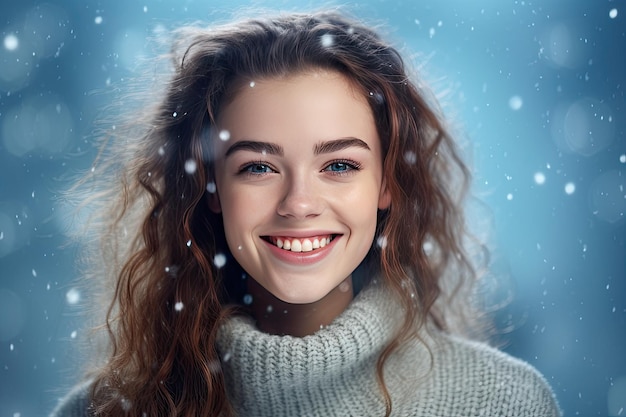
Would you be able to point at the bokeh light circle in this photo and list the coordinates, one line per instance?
(37, 123)
(585, 126)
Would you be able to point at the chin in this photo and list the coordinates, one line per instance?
(305, 297)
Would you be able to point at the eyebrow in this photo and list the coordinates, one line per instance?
(339, 144)
(274, 149)
(254, 146)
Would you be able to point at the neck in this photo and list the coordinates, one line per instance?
(297, 319)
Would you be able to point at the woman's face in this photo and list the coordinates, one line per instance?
(299, 181)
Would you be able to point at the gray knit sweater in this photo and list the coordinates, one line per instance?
(332, 372)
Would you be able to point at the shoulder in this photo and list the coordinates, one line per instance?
(75, 403)
(504, 384)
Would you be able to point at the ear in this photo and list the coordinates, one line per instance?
(214, 202)
(384, 198)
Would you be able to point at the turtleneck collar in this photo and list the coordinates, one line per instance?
(284, 375)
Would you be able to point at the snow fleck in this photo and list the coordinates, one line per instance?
(431, 32)
(570, 188)
(428, 248)
(269, 308)
(622, 158)
(145, 9)
(219, 260)
(613, 13)
(540, 178)
(171, 270)
(227, 356)
(73, 334)
(179, 306)
(11, 42)
(72, 296)
(382, 242)
(239, 247)
(190, 166)
(224, 135)
(410, 157)
(210, 187)
(48, 286)
(98, 20)
(161, 151)
(34, 273)
(11, 347)
(175, 114)
(327, 40)
(125, 403)
(189, 243)
(516, 103)
(344, 287)
(17, 414)
(509, 196)
(252, 84)
(247, 299)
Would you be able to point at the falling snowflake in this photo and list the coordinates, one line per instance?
(219, 260)
(327, 40)
(72, 296)
(224, 135)
(11, 42)
(190, 166)
(540, 178)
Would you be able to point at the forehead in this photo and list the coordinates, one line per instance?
(312, 105)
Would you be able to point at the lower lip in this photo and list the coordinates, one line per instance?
(302, 258)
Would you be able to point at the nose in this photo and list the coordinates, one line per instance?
(301, 199)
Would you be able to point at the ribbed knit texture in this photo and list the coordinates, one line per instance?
(333, 372)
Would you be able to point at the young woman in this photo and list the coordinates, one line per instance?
(285, 238)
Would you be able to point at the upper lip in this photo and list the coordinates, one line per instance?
(301, 234)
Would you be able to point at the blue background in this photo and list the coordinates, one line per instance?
(536, 88)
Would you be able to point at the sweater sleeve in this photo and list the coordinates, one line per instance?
(486, 381)
(516, 388)
(75, 403)
(531, 395)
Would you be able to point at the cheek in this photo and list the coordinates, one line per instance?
(242, 212)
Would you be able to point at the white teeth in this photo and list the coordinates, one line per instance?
(296, 246)
(304, 245)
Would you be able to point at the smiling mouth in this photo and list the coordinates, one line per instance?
(293, 244)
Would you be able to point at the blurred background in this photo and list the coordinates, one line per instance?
(536, 87)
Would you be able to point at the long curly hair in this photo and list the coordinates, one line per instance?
(159, 241)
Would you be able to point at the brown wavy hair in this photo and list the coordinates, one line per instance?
(159, 240)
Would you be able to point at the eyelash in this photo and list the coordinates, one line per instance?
(246, 168)
(350, 164)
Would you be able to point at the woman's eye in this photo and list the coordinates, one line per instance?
(257, 168)
(341, 167)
